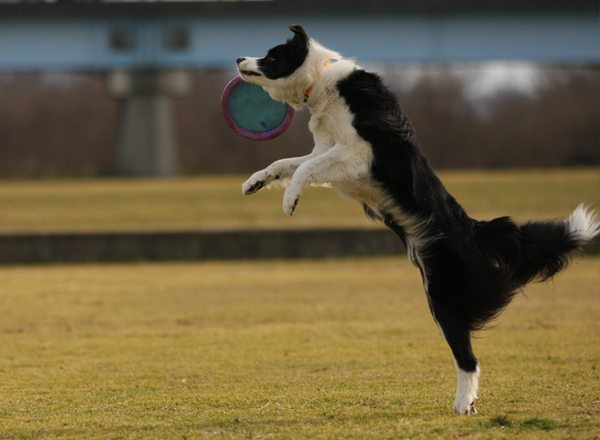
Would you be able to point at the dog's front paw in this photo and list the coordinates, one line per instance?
(255, 183)
(290, 200)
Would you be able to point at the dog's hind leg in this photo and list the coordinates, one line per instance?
(457, 335)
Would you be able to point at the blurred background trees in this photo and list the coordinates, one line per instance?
(67, 124)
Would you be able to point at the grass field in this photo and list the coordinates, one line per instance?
(218, 202)
(330, 349)
(308, 349)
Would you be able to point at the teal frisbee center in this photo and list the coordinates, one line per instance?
(254, 110)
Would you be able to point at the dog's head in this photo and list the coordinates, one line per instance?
(279, 63)
(283, 71)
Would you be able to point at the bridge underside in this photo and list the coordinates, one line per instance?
(103, 43)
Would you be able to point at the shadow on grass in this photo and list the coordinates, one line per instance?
(503, 421)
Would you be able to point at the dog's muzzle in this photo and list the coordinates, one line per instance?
(244, 71)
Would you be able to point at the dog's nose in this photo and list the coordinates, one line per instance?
(239, 60)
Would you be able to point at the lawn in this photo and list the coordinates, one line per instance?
(308, 349)
(328, 349)
(213, 202)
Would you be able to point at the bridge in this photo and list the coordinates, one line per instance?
(147, 47)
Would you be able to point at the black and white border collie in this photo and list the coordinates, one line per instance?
(366, 148)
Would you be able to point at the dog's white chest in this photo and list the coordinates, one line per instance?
(331, 126)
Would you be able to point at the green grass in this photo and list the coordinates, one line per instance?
(308, 349)
(217, 202)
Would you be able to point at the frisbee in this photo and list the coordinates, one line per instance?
(252, 113)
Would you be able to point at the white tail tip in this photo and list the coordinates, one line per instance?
(583, 224)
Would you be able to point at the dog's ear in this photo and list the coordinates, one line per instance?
(300, 37)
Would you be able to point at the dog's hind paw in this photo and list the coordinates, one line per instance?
(466, 391)
(465, 408)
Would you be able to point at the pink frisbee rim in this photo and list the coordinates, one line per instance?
(255, 136)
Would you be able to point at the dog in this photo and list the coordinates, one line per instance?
(367, 150)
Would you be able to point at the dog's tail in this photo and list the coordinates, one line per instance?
(536, 251)
(519, 254)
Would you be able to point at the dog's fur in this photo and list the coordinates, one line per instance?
(366, 148)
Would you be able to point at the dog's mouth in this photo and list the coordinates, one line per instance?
(249, 73)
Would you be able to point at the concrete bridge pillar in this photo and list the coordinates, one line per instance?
(147, 145)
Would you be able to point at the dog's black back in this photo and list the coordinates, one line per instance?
(472, 269)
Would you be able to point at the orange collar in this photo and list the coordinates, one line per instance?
(326, 65)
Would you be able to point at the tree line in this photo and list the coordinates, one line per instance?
(68, 125)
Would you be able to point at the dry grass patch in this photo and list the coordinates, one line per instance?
(217, 202)
(308, 349)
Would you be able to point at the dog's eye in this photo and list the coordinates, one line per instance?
(270, 59)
